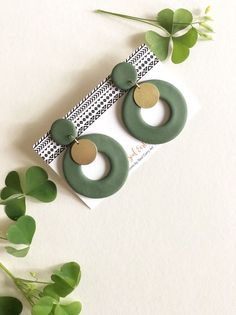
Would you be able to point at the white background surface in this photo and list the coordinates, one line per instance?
(166, 243)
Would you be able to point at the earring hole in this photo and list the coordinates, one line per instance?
(157, 115)
(98, 169)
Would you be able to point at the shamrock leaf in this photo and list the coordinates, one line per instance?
(21, 232)
(17, 252)
(45, 302)
(181, 45)
(13, 185)
(171, 23)
(174, 21)
(65, 280)
(68, 309)
(48, 306)
(10, 306)
(158, 44)
(38, 185)
(165, 19)
(43, 306)
(50, 291)
(15, 208)
(182, 18)
(189, 39)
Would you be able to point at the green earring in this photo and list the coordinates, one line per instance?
(83, 151)
(145, 95)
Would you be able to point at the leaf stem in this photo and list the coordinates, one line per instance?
(3, 238)
(4, 269)
(34, 281)
(135, 18)
(16, 282)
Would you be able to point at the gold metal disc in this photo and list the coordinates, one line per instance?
(83, 151)
(146, 95)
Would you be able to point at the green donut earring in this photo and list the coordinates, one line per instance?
(82, 151)
(145, 95)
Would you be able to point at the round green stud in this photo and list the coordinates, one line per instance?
(63, 131)
(124, 75)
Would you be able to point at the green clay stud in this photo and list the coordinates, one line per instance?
(63, 131)
(124, 75)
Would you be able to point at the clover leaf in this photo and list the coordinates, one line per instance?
(49, 290)
(181, 19)
(65, 280)
(179, 32)
(48, 306)
(181, 45)
(37, 185)
(13, 185)
(15, 208)
(46, 301)
(73, 308)
(44, 306)
(158, 44)
(21, 232)
(17, 252)
(173, 22)
(10, 306)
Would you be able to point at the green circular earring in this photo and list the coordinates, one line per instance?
(82, 151)
(145, 95)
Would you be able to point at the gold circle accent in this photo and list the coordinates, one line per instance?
(83, 151)
(146, 95)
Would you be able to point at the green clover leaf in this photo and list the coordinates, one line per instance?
(65, 280)
(13, 185)
(43, 306)
(165, 19)
(49, 290)
(48, 306)
(181, 45)
(182, 18)
(158, 44)
(46, 301)
(15, 208)
(173, 22)
(38, 185)
(21, 232)
(73, 308)
(17, 252)
(177, 32)
(10, 306)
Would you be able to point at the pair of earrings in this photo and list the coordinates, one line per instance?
(83, 150)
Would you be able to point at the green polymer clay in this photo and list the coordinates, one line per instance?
(124, 75)
(63, 131)
(156, 134)
(119, 167)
